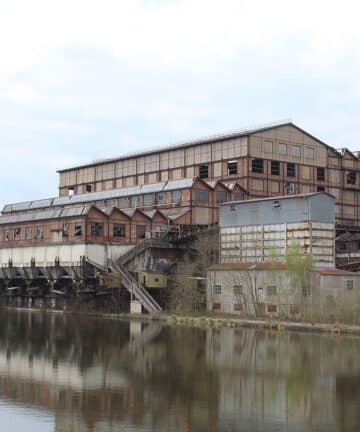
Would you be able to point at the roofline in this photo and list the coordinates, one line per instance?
(276, 198)
(188, 143)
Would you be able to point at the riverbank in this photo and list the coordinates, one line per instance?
(214, 321)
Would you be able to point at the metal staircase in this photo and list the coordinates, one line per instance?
(136, 289)
(141, 247)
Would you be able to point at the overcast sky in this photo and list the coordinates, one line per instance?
(82, 80)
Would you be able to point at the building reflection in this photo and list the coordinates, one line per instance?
(106, 375)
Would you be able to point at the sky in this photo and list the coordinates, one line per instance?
(82, 80)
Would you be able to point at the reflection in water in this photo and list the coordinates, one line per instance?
(92, 374)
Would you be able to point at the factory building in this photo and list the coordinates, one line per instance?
(270, 160)
(253, 276)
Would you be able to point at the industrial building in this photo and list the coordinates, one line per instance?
(122, 213)
(253, 277)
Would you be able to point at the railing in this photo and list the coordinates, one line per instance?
(135, 288)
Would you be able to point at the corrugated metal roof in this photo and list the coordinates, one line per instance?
(152, 188)
(149, 213)
(103, 195)
(263, 265)
(179, 184)
(174, 214)
(44, 215)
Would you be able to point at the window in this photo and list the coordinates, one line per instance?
(309, 153)
(71, 190)
(238, 290)
(271, 290)
(257, 165)
(239, 196)
(237, 306)
(17, 232)
(271, 308)
(78, 229)
(351, 177)
(217, 289)
(275, 168)
(232, 167)
(349, 284)
(161, 198)
(202, 196)
(65, 229)
(40, 232)
(7, 235)
(296, 151)
(204, 171)
(97, 229)
(140, 231)
(320, 189)
(320, 174)
(134, 201)
(88, 188)
(119, 230)
(28, 233)
(176, 197)
(291, 170)
(306, 291)
(148, 199)
(282, 149)
(220, 197)
(268, 146)
(123, 203)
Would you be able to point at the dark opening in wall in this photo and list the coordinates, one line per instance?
(257, 165)
(351, 177)
(119, 230)
(204, 171)
(275, 168)
(97, 229)
(291, 170)
(232, 167)
(320, 174)
(88, 188)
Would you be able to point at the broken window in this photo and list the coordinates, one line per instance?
(257, 165)
(134, 201)
(119, 230)
(148, 200)
(17, 233)
(239, 196)
(320, 174)
(275, 168)
(71, 190)
(40, 232)
(351, 177)
(161, 198)
(78, 229)
(232, 167)
(291, 170)
(140, 231)
(176, 197)
(271, 308)
(7, 235)
(320, 188)
(28, 233)
(203, 171)
(65, 229)
(97, 229)
(88, 188)
(123, 203)
(221, 197)
(202, 196)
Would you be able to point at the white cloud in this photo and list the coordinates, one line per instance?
(84, 79)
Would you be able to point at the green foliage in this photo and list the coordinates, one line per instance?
(298, 266)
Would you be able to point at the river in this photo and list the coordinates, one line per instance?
(78, 374)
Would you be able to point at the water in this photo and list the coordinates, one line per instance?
(80, 374)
